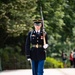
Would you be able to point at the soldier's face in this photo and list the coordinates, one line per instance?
(37, 27)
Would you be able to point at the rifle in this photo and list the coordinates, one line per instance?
(43, 28)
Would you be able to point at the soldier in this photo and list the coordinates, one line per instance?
(37, 40)
(74, 58)
(71, 59)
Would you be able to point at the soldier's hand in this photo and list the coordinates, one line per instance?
(45, 46)
(29, 59)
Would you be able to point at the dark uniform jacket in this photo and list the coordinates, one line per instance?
(31, 51)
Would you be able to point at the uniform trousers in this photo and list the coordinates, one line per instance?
(37, 67)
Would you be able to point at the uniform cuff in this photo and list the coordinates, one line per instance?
(28, 56)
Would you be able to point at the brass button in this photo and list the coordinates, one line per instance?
(37, 40)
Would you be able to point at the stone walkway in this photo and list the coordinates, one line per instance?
(64, 71)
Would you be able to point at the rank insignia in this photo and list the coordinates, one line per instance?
(33, 35)
(41, 37)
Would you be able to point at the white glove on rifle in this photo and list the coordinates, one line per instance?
(45, 46)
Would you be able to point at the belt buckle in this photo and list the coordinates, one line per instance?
(37, 46)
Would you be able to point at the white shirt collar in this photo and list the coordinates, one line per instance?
(37, 31)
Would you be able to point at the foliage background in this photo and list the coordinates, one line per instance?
(16, 19)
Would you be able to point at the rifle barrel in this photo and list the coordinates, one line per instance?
(42, 17)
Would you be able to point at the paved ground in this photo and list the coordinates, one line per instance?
(64, 71)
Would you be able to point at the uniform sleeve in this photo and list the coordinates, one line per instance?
(27, 46)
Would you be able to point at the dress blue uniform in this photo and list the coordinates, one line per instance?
(35, 51)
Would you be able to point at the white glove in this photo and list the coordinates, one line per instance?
(29, 59)
(45, 46)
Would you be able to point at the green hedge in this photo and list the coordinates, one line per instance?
(11, 58)
(53, 63)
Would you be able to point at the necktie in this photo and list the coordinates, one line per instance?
(37, 32)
